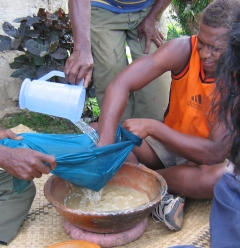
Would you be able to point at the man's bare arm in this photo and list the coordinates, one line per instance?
(134, 77)
(80, 63)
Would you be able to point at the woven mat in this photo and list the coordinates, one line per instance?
(43, 226)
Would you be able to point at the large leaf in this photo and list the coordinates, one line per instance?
(39, 60)
(35, 48)
(41, 27)
(10, 30)
(25, 72)
(32, 20)
(52, 41)
(19, 62)
(54, 35)
(15, 43)
(60, 53)
(43, 70)
(32, 33)
(20, 19)
(5, 43)
(53, 46)
(22, 29)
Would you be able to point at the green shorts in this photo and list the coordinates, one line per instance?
(109, 34)
(14, 206)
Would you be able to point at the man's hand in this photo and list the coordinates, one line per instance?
(139, 127)
(7, 133)
(149, 28)
(25, 163)
(79, 65)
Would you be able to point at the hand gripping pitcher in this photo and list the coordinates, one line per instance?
(57, 99)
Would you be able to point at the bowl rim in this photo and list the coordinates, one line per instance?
(139, 208)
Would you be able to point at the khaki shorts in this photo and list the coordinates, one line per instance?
(109, 34)
(168, 157)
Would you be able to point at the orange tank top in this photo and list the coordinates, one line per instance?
(190, 98)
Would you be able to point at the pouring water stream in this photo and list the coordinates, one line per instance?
(88, 130)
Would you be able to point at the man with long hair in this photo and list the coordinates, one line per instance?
(225, 213)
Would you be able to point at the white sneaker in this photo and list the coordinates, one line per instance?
(170, 211)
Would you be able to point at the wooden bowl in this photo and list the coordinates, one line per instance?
(130, 175)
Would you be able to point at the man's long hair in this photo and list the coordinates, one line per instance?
(226, 100)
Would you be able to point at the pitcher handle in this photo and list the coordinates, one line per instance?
(59, 74)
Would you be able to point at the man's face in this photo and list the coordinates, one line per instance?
(211, 44)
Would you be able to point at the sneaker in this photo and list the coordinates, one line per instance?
(170, 211)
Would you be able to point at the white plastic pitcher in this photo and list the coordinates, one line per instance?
(57, 99)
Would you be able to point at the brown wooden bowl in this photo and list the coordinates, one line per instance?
(130, 175)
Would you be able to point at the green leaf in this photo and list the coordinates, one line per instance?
(52, 41)
(32, 33)
(15, 43)
(39, 60)
(32, 20)
(53, 46)
(15, 65)
(22, 29)
(60, 53)
(5, 43)
(41, 27)
(20, 19)
(35, 48)
(54, 36)
(43, 70)
(19, 62)
(10, 30)
(25, 72)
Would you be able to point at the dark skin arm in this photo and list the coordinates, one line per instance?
(136, 76)
(80, 64)
(196, 149)
(24, 163)
(149, 27)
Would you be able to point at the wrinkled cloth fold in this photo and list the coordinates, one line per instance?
(79, 161)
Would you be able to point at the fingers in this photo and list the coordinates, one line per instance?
(140, 35)
(51, 160)
(161, 36)
(7, 133)
(38, 163)
(78, 66)
(76, 72)
(40, 167)
(73, 72)
(151, 33)
(88, 78)
(147, 46)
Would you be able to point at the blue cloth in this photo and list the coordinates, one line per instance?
(225, 213)
(78, 160)
(124, 6)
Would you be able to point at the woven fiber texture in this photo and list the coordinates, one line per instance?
(43, 226)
